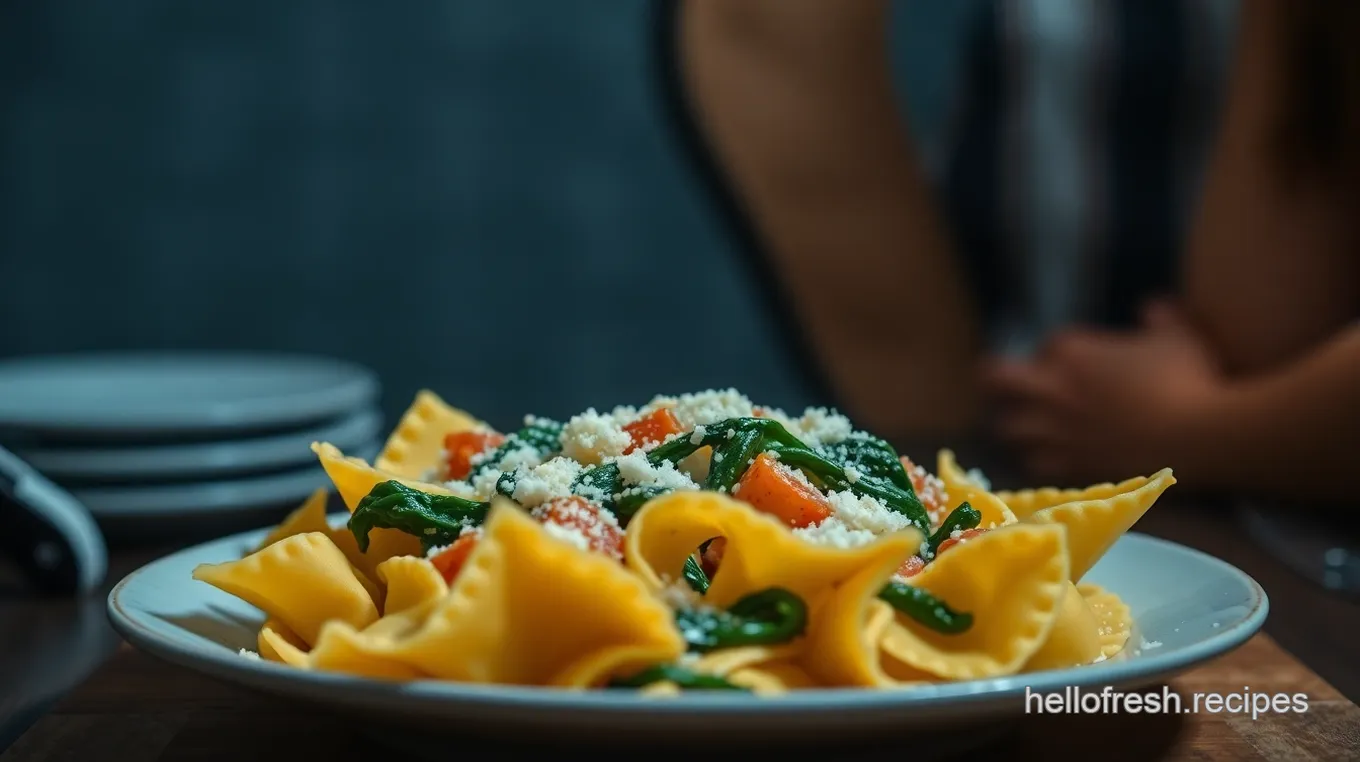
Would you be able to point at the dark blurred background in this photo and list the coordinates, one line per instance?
(480, 198)
(486, 199)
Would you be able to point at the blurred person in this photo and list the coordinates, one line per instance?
(1055, 228)
(1250, 381)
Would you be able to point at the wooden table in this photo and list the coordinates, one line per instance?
(151, 711)
(113, 703)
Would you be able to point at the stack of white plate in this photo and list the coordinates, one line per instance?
(145, 439)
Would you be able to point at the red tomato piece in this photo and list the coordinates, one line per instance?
(580, 515)
(652, 428)
(771, 487)
(928, 493)
(964, 536)
(463, 445)
(451, 561)
(712, 555)
(911, 566)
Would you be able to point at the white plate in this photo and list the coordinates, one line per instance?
(206, 459)
(204, 498)
(196, 393)
(1196, 606)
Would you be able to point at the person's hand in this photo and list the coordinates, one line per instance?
(1095, 406)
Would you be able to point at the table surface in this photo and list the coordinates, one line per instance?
(69, 688)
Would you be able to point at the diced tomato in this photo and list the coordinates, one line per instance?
(911, 566)
(928, 494)
(451, 561)
(712, 555)
(771, 487)
(964, 536)
(580, 515)
(463, 445)
(652, 428)
(757, 412)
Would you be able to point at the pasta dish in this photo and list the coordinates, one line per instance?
(698, 542)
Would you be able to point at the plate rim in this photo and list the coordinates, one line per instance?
(434, 695)
(203, 460)
(360, 386)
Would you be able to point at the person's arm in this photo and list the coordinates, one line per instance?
(1271, 269)
(795, 98)
(1295, 431)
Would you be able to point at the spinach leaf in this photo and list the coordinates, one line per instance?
(435, 519)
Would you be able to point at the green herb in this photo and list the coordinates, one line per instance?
(769, 616)
(631, 500)
(543, 435)
(962, 518)
(870, 455)
(731, 460)
(925, 608)
(694, 575)
(435, 519)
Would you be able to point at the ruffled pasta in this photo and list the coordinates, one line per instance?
(276, 642)
(411, 581)
(1075, 638)
(416, 444)
(528, 609)
(761, 553)
(995, 511)
(1012, 580)
(354, 479)
(303, 581)
(1112, 616)
(823, 573)
(1095, 523)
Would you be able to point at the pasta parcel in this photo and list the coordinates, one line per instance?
(698, 542)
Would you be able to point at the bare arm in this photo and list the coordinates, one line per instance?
(1295, 431)
(1271, 270)
(796, 99)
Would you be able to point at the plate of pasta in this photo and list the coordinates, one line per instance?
(697, 562)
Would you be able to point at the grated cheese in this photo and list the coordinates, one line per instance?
(484, 484)
(636, 470)
(697, 437)
(590, 437)
(464, 490)
(569, 535)
(820, 426)
(851, 474)
(832, 532)
(585, 527)
(707, 407)
(867, 513)
(545, 482)
(526, 456)
(249, 654)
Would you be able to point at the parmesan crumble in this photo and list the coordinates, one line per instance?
(820, 426)
(569, 535)
(584, 527)
(590, 437)
(832, 532)
(707, 407)
(866, 513)
(545, 482)
(636, 470)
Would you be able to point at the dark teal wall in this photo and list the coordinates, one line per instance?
(479, 197)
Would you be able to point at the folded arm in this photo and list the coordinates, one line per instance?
(795, 98)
